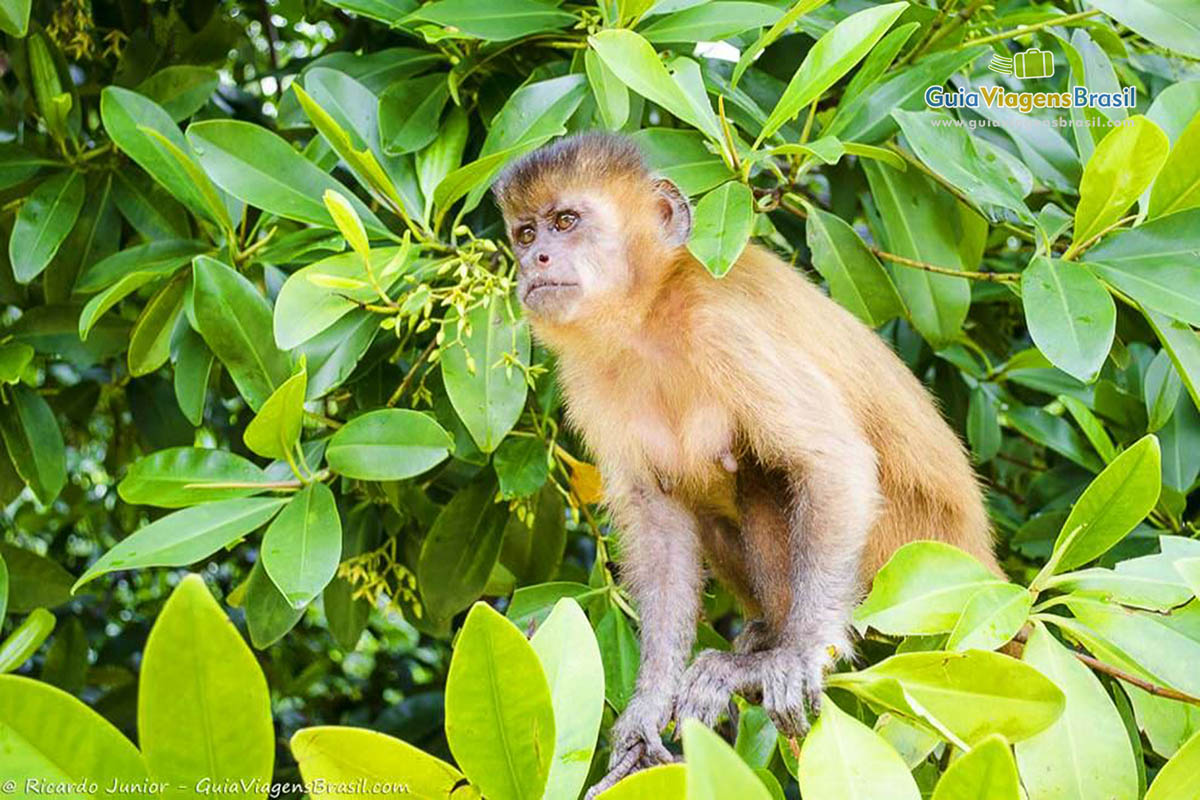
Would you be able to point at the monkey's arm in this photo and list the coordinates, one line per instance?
(660, 564)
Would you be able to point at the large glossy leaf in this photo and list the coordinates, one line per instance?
(303, 544)
(922, 589)
(986, 772)
(856, 279)
(1118, 499)
(235, 321)
(497, 20)
(186, 536)
(388, 445)
(409, 112)
(632, 59)
(257, 166)
(1179, 778)
(45, 218)
(204, 711)
(14, 17)
(1173, 24)
(158, 258)
(923, 222)
(1152, 264)
(34, 581)
(181, 89)
(180, 476)
(1177, 187)
(1086, 752)
(710, 22)
(1124, 164)
(487, 391)
(460, 550)
(35, 443)
(722, 223)
(1071, 316)
(830, 58)
(269, 615)
(842, 757)
(275, 430)
(570, 657)
(965, 696)
(714, 770)
(992, 617)
(682, 157)
(499, 716)
(51, 737)
(663, 782)
(348, 757)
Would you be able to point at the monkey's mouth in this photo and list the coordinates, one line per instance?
(543, 287)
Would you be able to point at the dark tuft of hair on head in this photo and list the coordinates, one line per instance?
(579, 157)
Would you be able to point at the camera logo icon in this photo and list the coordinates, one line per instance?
(1032, 63)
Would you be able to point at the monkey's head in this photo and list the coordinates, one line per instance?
(588, 223)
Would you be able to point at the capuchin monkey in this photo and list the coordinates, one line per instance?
(748, 422)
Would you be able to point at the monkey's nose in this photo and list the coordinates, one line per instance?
(543, 258)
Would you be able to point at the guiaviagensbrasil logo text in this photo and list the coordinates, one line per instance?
(1030, 64)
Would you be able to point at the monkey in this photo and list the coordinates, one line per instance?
(749, 424)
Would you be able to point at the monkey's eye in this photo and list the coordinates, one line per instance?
(525, 234)
(565, 220)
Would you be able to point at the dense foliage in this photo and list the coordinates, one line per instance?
(257, 322)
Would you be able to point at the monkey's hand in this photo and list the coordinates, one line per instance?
(637, 740)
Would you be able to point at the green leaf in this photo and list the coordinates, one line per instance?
(302, 546)
(496, 20)
(856, 279)
(409, 112)
(619, 649)
(487, 391)
(922, 222)
(193, 367)
(333, 354)
(34, 581)
(1152, 264)
(204, 711)
(1161, 388)
(269, 616)
(662, 782)
(1092, 428)
(1086, 753)
(43, 221)
(1150, 582)
(612, 98)
(1173, 24)
(105, 300)
(991, 618)
(235, 321)
(521, 464)
(35, 443)
(983, 425)
(986, 772)
(714, 770)
(181, 89)
(965, 162)
(128, 117)
(722, 224)
(868, 117)
(499, 716)
(1177, 187)
(1117, 500)
(3, 588)
(155, 258)
(460, 550)
(682, 157)
(1179, 778)
(922, 589)
(965, 696)
(186, 536)
(25, 639)
(17, 164)
(472, 180)
(14, 17)
(177, 477)
(357, 756)
(842, 757)
(14, 360)
(769, 36)
(260, 168)
(150, 339)
(570, 658)
(632, 59)
(1071, 316)
(710, 22)
(830, 58)
(51, 737)
(388, 445)
(275, 430)
(1124, 164)
(347, 615)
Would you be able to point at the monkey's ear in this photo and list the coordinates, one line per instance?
(675, 211)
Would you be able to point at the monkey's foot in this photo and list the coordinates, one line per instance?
(636, 743)
(789, 679)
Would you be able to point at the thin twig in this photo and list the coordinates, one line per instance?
(1116, 672)
(412, 372)
(1024, 29)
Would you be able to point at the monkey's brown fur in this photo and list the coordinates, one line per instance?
(841, 455)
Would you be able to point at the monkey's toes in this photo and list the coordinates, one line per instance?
(708, 684)
(792, 685)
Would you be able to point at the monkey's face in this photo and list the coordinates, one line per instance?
(571, 256)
